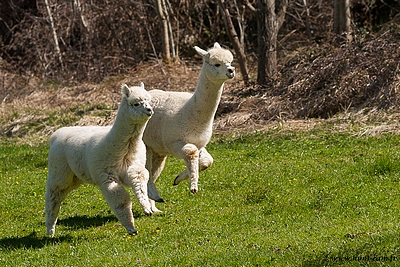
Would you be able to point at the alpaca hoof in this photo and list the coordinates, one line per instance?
(194, 191)
(153, 192)
(156, 211)
(147, 209)
(132, 231)
(176, 181)
(159, 200)
(51, 232)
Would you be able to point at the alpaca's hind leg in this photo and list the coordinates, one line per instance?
(205, 161)
(119, 201)
(182, 176)
(153, 192)
(57, 189)
(154, 164)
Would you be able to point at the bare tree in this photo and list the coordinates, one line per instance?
(167, 38)
(308, 27)
(342, 20)
(164, 30)
(270, 17)
(237, 44)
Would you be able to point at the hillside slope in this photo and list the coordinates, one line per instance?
(316, 82)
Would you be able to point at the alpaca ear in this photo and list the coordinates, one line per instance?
(216, 45)
(125, 90)
(200, 51)
(142, 85)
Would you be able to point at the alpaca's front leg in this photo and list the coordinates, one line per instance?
(205, 161)
(191, 157)
(138, 178)
(190, 154)
(118, 200)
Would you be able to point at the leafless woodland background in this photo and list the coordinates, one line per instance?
(316, 78)
(103, 37)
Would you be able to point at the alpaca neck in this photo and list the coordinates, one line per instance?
(205, 100)
(124, 134)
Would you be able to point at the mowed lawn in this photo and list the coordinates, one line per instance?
(270, 199)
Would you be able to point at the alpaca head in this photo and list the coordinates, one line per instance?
(217, 63)
(135, 101)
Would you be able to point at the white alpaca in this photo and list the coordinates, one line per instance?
(182, 122)
(109, 157)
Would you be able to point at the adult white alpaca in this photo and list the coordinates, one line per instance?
(109, 157)
(182, 122)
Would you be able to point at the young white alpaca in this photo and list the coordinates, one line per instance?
(182, 122)
(109, 157)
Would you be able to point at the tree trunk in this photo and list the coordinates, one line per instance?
(270, 17)
(342, 21)
(308, 27)
(233, 37)
(165, 49)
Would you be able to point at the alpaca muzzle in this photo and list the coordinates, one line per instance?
(149, 111)
(231, 72)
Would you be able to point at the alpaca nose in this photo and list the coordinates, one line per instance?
(150, 110)
(231, 72)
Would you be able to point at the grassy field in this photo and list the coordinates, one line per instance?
(292, 199)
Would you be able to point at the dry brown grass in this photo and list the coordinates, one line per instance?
(353, 88)
(30, 107)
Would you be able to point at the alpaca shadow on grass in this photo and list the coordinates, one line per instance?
(84, 221)
(37, 241)
(32, 241)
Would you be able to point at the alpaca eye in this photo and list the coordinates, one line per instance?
(136, 104)
(217, 65)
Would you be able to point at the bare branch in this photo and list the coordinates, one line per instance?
(54, 33)
(250, 6)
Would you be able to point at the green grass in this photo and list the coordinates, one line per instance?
(293, 199)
